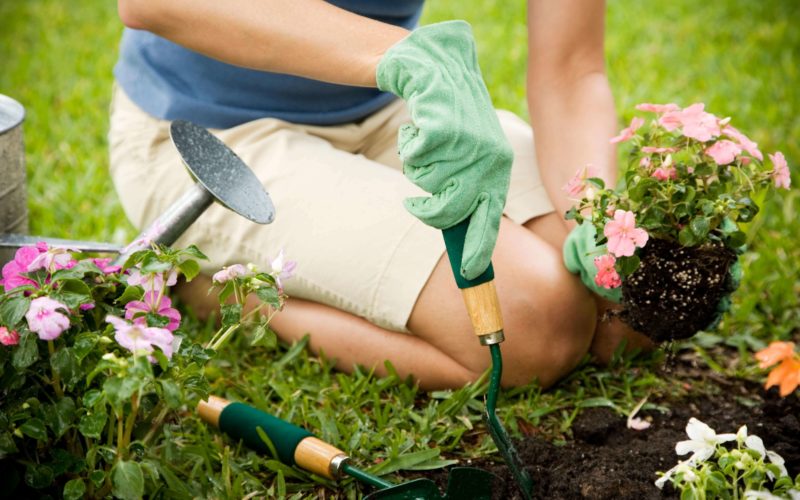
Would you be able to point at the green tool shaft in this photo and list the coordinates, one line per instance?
(365, 477)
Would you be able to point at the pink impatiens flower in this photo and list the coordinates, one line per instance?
(652, 149)
(105, 265)
(575, 186)
(780, 174)
(140, 338)
(628, 132)
(657, 108)
(8, 337)
(152, 282)
(723, 152)
(623, 235)
(52, 260)
(228, 273)
(44, 319)
(663, 173)
(282, 269)
(697, 123)
(607, 276)
(13, 270)
(744, 141)
(136, 310)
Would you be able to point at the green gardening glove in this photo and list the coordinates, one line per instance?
(454, 148)
(579, 252)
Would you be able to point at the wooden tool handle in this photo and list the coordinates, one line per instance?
(480, 295)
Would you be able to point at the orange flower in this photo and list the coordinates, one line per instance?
(777, 351)
(787, 375)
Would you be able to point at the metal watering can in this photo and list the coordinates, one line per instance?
(220, 176)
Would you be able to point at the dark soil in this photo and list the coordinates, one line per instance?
(675, 291)
(605, 460)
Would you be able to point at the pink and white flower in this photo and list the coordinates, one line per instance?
(52, 260)
(136, 310)
(695, 122)
(623, 235)
(152, 282)
(663, 173)
(45, 320)
(653, 149)
(724, 152)
(576, 185)
(607, 276)
(105, 265)
(14, 270)
(139, 338)
(628, 132)
(282, 269)
(228, 273)
(780, 174)
(8, 337)
(744, 141)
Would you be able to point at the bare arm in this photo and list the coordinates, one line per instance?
(309, 38)
(569, 98)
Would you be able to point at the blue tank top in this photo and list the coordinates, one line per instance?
(171, 82)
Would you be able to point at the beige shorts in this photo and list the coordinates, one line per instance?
(338, 193)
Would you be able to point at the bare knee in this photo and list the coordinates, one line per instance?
(550, 326)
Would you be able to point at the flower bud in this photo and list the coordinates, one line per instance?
(667, 161)
(590, 193)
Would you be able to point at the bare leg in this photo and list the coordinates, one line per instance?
(549, 316)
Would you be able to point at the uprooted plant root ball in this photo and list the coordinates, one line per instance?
(676, 290)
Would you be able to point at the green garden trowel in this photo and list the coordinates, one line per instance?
(297, 446)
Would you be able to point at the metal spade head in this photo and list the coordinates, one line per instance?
(221, 172)
(463, 483)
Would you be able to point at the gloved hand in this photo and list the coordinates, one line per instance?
(579, 252)
(454, 148)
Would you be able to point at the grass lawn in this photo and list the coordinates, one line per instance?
(740, 57)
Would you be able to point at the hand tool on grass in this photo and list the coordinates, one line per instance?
(483, 307)
(294, 445)
(219, 174)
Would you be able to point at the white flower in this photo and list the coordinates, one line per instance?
(282, 269)
(761, 495)
(686, 467)
(228, 273)
(755, 443)
(702, 441)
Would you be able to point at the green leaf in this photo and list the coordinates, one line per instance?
(13, 310)
(408, 461)
(34, 428)
(265, 336)
(700, 227)
(642, 188)
(231, 314)
(74, 489)
(193, 251)
(65, 365)
(61, 416)
(128, 480)
(27, 351)
(269, 295)
(97, 477)
(130, 293)
(172, 393)
(190, 269)
(84, 343)
(77, 287)
(119, 390)
(152, 264)
(627, 265)
(156, 320)
(39, 476)
(77, 271)
(597, 182)
(226, 292)
(92, 424)
(7, 444)
(596, 402)
(686, 237)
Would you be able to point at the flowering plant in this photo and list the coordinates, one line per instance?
(714, 469)
(787, 374)
(690, 179)
(94, 360)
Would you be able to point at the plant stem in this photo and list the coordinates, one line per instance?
(131, 419)
(120, 435)
(56, 380)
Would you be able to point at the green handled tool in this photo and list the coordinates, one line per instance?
(483, 306)
(297, 446)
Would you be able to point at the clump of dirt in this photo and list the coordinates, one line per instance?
(606, 460)
(675, 291)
